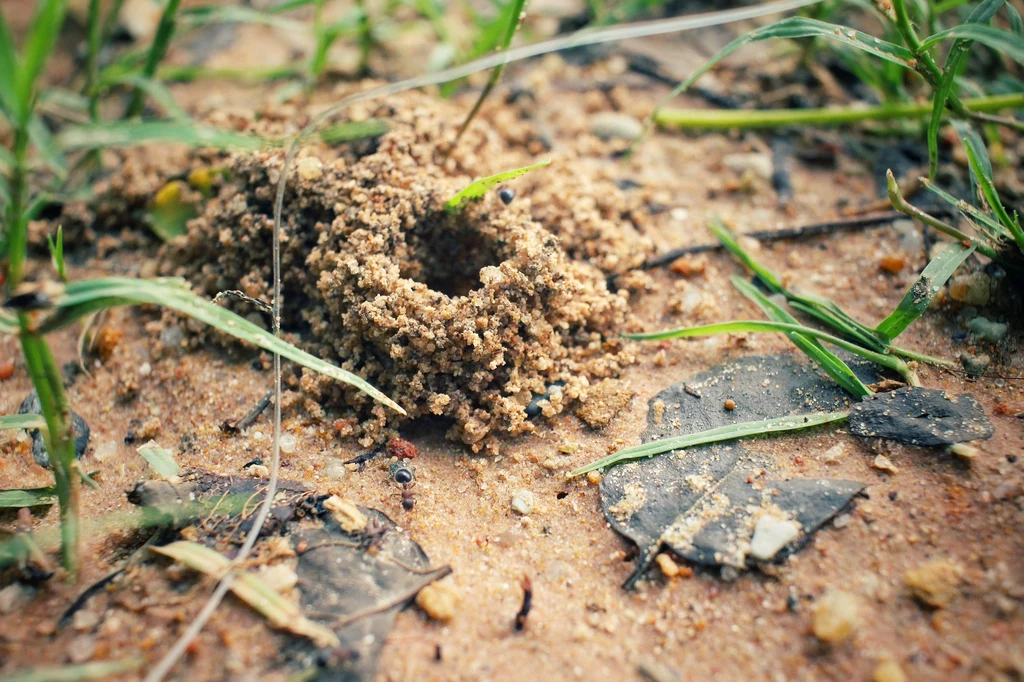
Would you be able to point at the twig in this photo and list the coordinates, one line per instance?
(814, 230)
(394, 601)
(234, 426)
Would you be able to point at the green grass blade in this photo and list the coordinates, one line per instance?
(97, 670)
(954, 61)
(731, 432)
(728, 239)
(22, 421)
(86, 296)
(41, 39)
(43, 141)
(354, 130)
(922, 292)
(1016, 22)
(132, 133)
(992, 229)
(480, 187)
(155, 90)
(8, 71)
(981, 173)
(515, 14)
(1001, 41)
(8, 324)
(758, 326)
(826, 359)
(237, 14)
(57, 253)
(164, 32)
(28, 497)
(802, 27)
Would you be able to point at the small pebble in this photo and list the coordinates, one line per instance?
(80, 430)
(506, 196)
(883, 463)
(892, 263)
(523, 502)
(145, 369)
(935, 583)
(841, 521)
(757, 163)
(669, 567)
(105, 451)
(835, 616)
(974, 288)
(81, 648)
(730, 404)
(975, 365)
(594, 477)
(12, 596)
(259, 471)
(771, 534)
(335, 470)
(834, 454)
(288, 442)
(986, 330)
(309, 168)
(438, 601)
(6, 370)
(889, 671)
(609, 125)
(84, 620)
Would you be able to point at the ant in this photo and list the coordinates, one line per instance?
(402, 474)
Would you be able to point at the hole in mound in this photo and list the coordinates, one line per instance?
(447, 255)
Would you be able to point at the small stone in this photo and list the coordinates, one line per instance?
(892, 263)
(438, 601)
(172, 337)
(834, 454)
(6, 370)
(105, 451)
(12, 596)
(604, 401)
(842, 521)
(975, 365)
(81, 648)
(506, 196)
(145, 369)
(973, 289)
(935, 583)
(889, 671)
(669, 567)
(835, 616)
(280, 577)
(883, 463)
(688, 266)
(259, 471)
(729, 404)
(594, 477)
(757, 163)
(771, 534)
(609, 125)
(288, 441)
(986, 330)
(309, 168)
(523, 502)
(84, 620)
(335, 470)
(79, 429)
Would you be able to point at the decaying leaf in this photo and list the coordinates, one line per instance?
(161, 459)
(710, 504)
(920, 416)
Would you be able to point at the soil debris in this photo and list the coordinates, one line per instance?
(836, 616)
(603, 402)
(936, 583)
(438, 601)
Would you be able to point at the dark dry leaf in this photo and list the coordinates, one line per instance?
(80, 430)
(699, 502)
(920, 416)
(352, 582)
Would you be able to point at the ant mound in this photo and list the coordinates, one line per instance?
(468, 315)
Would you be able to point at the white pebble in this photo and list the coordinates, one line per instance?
(288, 441)
(145, 369)
(522, 502)
(771, 535)
(106, 450)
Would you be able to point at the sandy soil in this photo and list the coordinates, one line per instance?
(583, 625)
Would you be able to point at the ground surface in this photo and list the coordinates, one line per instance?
(583, 625)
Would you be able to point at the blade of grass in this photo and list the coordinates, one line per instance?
(97, 670)
(22, 421)
(251, 589)
(164, 32)
(480, 187)
(990, 227)
(954, 61)
(922, 292)
(43, 141)
(8, 71)
(826, 359)
(156, 91)
(981, 171)
(354, 130)
(516, 14)
(237, 14)
(728, 239)
(132, 133)
(757, 326)
(57, 253)
(28, 497)
(86, 296)
(1003, 42)
(39, 43)
(732, 432)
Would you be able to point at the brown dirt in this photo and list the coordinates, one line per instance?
(583, 625)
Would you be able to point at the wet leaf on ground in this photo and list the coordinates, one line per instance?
(920, 416)
(352, 582)
(705, 503)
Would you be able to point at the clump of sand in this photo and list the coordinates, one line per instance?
(466, 315)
